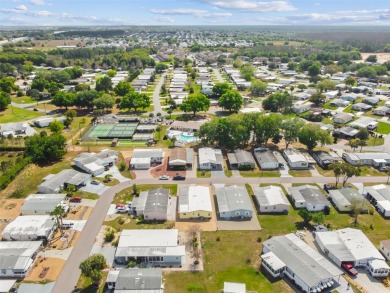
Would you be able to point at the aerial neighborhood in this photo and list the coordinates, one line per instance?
(189, 159)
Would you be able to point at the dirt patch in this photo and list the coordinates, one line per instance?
(47, 270)
(79, 213)
(10, 208)
(68, 239)
(382, 57)
(55, 43)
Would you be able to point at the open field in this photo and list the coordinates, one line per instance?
(55, 43)
(383, 128)
(382, 57)
(23, 100)
(10, 208)
(13, 114)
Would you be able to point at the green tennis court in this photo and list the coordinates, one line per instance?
(120, 130)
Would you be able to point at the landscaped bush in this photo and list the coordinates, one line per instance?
(11, 173)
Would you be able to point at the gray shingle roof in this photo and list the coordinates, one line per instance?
(139, 279)
(231, 198)
(309, 193)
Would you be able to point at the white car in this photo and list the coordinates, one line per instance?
(164, 177)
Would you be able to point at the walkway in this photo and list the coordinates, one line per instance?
(156, 95)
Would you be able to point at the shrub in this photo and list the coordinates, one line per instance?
(259, 239)
(218, 238)
(115, 242)
(196, 262)
(110, 234)
(11, 173)
(131, 264)
(121, 221)
(122, 167)
(327, 210)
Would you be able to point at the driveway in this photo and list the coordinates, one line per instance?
(84, 203)
(283, 170)
(97, 189)
(218, 174)
(142, 174)
(369, 283)
(115, 174)
(172, 204)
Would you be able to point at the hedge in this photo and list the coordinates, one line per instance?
(11, 173)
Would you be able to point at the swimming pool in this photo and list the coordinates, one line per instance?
(183, 137)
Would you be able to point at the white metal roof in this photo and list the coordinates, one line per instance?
(275, 262)
(295, 156)
(208, 155)
(148, 238)
(135, 161)
(349, 244)
(377, 264)
(194, 198)
(229, 287)
(270, 195)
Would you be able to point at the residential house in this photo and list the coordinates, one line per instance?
(342, 118)
(36, 288)
(241, 159)
(95, 163)
(371, 100)
(352, 246)
(379, 196)
(291, 257)
(377, 160)
(361, 107)
(364, 122)
(152, 204)
(331, 95)
(345, 132)
(324, 159)
(345, 199)
(384, 247)
(54, 183)
(301, 107)
(30, 228)
(194, 202)
(309, 197)
(152, 247)
(339, 103)
(148, 280)
(295, 159)
(271, 199)
(144, 158)
(187, 126)
(181, 158)
(266, 159)
(350, 97)
(210, 159)
(43, 204)
(17, 129)
(382, 111)
(45, 121)
(17, 257)
(233, 202)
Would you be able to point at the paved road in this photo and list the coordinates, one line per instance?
(70, 273)
(156, 95)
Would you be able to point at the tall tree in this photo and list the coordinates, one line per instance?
(92, 267)
(278, 102)
(337, 170)
(84, 99)
(123, 88)
(318, 99)
(195, 103)
(5, 100)
(134, 100)
(266, 127)
(231, 101)
(106, 101)
(104, 84)
(56, 126)
(45, 149)
(58, 213)
(311, 133)
(326, 85)
(258, 87)
(290, 128)
(220, 88)
(64, 99)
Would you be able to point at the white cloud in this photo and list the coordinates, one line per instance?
(37, 2)
(165, 19)
(194, 12)
(40, 13)
(21, 7)
(251, 6)
(330, 18)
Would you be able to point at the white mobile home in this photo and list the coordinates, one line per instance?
(194, 202)
(43, 204)
(295, 159)
(233, 202)
(309, 197)
(152, 204)
(144, 158)
(210, 159)
(266, 159)
(271, 199)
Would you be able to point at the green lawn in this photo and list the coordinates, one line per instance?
(112, 182)
(328, 106)
(203, 174)
(126, 173)
(130, 223)
(127, 193)
(85, 194)
(259, 173)
(85, 284)
(374, 141)
(23, 100)
(325, 172)
(13, 114)
(348, 109)
(234, 258)
(228, 173)
(383, 128)
(299, 173)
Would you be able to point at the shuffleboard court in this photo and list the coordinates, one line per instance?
(119, 130)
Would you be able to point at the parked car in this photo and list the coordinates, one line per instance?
(75, 199)
(164, 177)
(67, 225)
(95, 182)
(348, 267)
(178, 177)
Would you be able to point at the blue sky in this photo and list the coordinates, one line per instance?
(194, 12)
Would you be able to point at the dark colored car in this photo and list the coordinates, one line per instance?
(178, 177)
(348, 267)
(75, 199)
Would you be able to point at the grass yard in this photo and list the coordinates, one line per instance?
(203, 174)
(375, 141)
(259, 173)
(85, 194)
(228, 173)
(126, 172)
(84, 284)
(13, 114)
(299, 173)
(370, 171)
(23, 100)
(127, 222)
(383, 128)
(112, 181)
(324, 172)
(127, 194)
(234, 258)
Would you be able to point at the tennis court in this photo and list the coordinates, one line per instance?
(120, 130)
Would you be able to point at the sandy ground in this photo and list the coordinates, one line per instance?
(55, 43)
(55, 266)
(10, 208)
(382, 57)
(76, 213)
(68, 240)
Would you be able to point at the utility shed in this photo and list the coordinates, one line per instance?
(352, 246)
(379, 196)
(271, 199)
(345, 198)
(230, 287)
(147, 280)
(303, 265)
(309, 197)
(194, 202)
(43, 204)
(16, 257)
(152, 204)
(29, 228)
(233, 202)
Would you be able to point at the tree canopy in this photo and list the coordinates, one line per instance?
(220, 88)
(278, 102)
(104, 84)
(134, 100)
(5, 100)
(45, 149)
(231, 101)
(195, 103)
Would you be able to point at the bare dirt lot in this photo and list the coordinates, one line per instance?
(79, 213)
(68, 239)
(54, 266)
(382, 57)
(10, 208)
(55, 43)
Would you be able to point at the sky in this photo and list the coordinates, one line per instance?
(194, 12)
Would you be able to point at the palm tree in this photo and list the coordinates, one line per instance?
(362, 143)
(58, 213)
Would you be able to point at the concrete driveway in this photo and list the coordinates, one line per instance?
(97, 189)
(283, 170)
(369, 283)
(115, 174)
(143, 174)
(84, 203)
(172, 204)
(218, 174)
